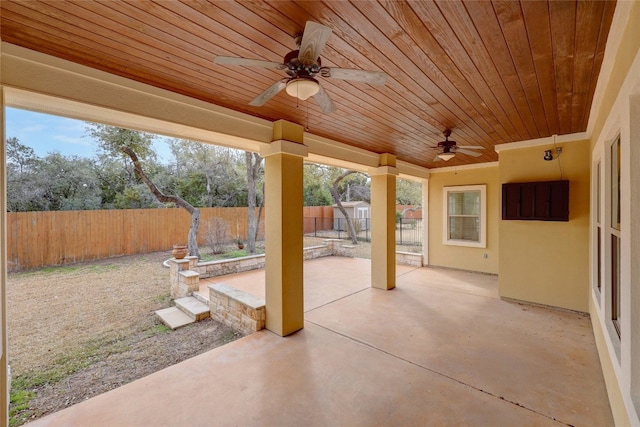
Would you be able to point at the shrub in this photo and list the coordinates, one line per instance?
(217, 235)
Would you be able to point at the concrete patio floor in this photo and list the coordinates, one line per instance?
(441, 349)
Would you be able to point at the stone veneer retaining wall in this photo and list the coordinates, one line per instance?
(236, 308)
(409, 258)
(185, 273)
(254, 262)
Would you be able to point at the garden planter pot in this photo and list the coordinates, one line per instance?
(179, 251)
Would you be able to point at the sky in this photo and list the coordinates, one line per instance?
(46, 134)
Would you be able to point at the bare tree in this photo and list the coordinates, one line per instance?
(336, 197)
(254, 163)
(169, 198)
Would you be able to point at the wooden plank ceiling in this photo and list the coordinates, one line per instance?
(492, 71)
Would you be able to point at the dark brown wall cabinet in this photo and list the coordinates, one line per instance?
(536, 201)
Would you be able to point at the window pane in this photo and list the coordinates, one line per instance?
(464, 228)
(615, 282)
(615, 184)
(598, 193)
(464, 203)
(599, 266)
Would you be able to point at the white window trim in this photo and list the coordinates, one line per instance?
(482, 242)
(607, 231)
(597, 216)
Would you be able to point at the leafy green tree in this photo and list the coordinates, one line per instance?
(316, 185)
(67, 183)
(208, 175)
(319, 180)
(55, 182)
(21, 162)
(113, 180)
(19, 156)
(352, 187)
(408, 192)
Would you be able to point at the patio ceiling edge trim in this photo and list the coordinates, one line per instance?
(538, 142)
(465, 167)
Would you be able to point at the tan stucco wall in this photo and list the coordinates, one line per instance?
(616, 401)
(460, 257)
(547, 262)
(629, 46)
(611, 117)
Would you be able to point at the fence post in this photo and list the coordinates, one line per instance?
(366, 221)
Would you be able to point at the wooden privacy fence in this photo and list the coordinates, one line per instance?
(314, 214)
(37, 239)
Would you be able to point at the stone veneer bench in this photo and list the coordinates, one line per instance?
(236, 308)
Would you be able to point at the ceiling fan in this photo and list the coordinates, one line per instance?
(302, 67)
(448, 149)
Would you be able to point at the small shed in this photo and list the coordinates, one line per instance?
(359, 212)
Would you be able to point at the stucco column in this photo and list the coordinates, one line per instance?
(4, 384)
(383, 223)
(284, 228)
(425, 221)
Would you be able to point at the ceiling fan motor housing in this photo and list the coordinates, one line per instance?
(447, 145)
(295, 67)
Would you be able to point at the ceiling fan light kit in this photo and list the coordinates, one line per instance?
(446, 156)
(303, 88)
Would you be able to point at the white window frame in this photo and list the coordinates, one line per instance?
(613, 229)
(482, 216)
(598, 254)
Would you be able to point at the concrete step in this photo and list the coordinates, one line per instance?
(193, 308)
(201, 297)
(173, 317)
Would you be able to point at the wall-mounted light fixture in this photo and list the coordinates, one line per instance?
(548, 154)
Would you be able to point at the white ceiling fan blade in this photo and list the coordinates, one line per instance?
(324, 101)
(471, 147)
(229, 60)
(269, 93)
(372, 77)
(314, 38)
(467, 152)
(437, 158)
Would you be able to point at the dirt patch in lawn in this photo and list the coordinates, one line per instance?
(79, 330)
(131, 358)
